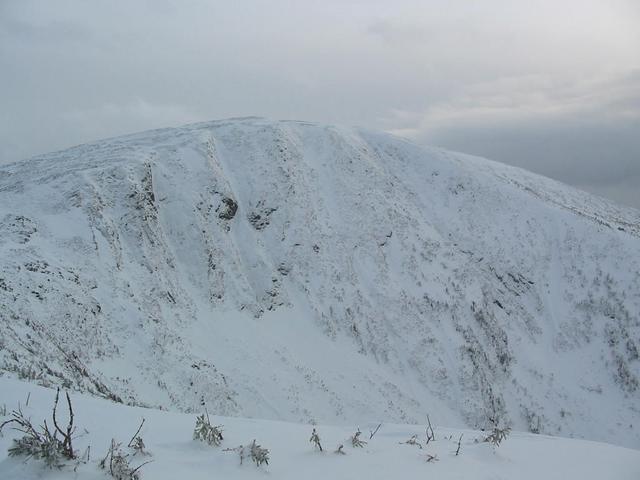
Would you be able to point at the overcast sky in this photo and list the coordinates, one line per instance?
(551, 86)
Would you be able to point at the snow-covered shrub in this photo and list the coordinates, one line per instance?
(205, 432)
(138, 446)
(43, 443)
(258, 454)
(117, 463)
(497, 435)
(42, 446)
(533, 419)
(413, 441)
(355, 440)
(137, 443)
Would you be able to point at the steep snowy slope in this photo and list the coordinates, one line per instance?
(295, 271)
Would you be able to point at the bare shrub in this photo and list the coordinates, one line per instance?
(429, 431)
(459, 443)
(137, 443)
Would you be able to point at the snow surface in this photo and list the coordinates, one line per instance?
(311, 273)
(168, 438)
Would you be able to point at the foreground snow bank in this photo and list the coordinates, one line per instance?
(168, 436)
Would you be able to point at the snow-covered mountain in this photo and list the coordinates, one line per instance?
(288, 270)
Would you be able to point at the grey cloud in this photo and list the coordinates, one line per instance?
(586, 134)
(501, 79)
(394, 32)
(602, 158)
(625, 191)
(17, 30)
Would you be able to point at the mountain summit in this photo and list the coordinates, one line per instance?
(296, 271)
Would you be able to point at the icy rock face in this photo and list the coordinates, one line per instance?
(314, 273)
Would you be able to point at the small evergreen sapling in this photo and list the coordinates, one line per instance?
(205, 432)
(43, 447)
(497, 435)
(117, 460)
(118, 464)
(315, 439)
(258, 454)
(413, 441)
(355, 440)
(138, 446)
(43, 443)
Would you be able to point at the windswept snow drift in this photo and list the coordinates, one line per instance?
(292, 271)
(174, 454)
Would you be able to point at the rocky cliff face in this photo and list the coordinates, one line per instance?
(305, 272)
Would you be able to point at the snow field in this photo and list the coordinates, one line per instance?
(168, 437)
